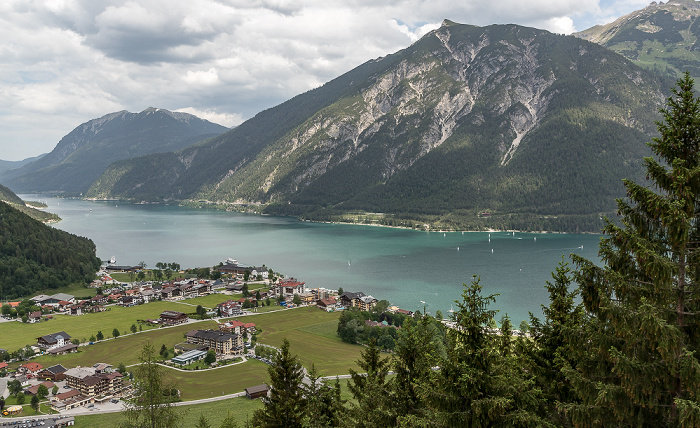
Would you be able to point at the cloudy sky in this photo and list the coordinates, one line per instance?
(64, 62)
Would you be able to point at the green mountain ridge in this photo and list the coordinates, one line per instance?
(83, 155)
(663, 37)
(36, 257)
(533, 128)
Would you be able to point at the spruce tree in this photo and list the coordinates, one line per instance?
(551, 340)
(285, 405)
(638, 364)
(324, 406)
(371, 390)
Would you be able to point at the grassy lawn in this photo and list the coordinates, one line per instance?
(210, 383)
(209, 301)
(16, 335)
(242, 409)
(309, 333)
(125, 349)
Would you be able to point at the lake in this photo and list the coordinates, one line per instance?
(405, 267)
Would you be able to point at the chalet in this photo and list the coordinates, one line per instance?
(53, 340)
(54, 373)
(30, 369)
(173, 318)
(76, 309)
(69, 400)
(148, 295)
(257, 391)
(234, 288)
(65, 349)
(222, 343)
(64, 305)
(97, 308)
(169, 292)
(3, 365)
(98, 300)
(34, 317)
(328, 304)
(404, 312)
(259, 271)
(34, 389)
(230, 308)
(250, 327)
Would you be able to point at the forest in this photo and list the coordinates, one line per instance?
(36, 257)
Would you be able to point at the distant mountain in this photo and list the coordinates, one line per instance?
(82, 155)
(8, 165)
(36, 257)
(501, 126)
(664, 37)
(9, 197)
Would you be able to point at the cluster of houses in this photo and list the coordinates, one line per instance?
(83, 385)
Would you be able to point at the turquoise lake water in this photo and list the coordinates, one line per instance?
(405, 267)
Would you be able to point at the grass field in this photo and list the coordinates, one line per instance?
(215, 412)
(78, 290)
(124, 349)
(309, 333)
(16, 335)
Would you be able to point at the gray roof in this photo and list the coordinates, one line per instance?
(53, 337)
(62, 296)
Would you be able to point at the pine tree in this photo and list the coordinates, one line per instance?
(371, 389)
(481, 382)
(638, 364)
(551, 340)
(285, 405)
(324, 406)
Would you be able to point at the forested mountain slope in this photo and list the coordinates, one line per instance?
(82, 155)
(664, 37)
(535, 129)
(34, 256)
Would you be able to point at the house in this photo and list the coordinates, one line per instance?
(230, 308)
(65, 349)
(54, 373)
(148, 295)
(328, 304)
(30, 369)
(173, 318)
(221, 342)
(3, 365)
(290, 287)
(257, 391)
(53, 340)
(76, 309)
(34, 317)
(263, 272)
(98, 300)
(34, 389)
(250, 327)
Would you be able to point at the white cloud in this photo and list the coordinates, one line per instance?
(65, 62)
(225, 119)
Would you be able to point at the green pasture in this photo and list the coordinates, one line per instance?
(198, 384)
(242, 408)
(125, 349)
(15, 335)
(309, 333)
(210, 301)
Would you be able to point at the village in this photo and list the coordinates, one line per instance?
(102, 386)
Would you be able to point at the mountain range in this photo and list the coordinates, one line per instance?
(470, 127)
(664, 37)
(83, 155)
